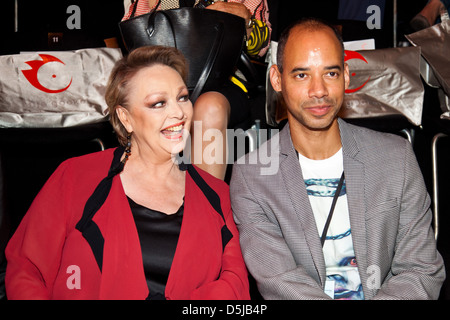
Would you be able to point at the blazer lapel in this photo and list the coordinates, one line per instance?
(356, 198)
(295, 187)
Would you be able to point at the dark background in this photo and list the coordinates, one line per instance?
(99, 20)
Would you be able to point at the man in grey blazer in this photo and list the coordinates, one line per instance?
(379, 243)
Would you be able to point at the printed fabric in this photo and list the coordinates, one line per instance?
(321, 180)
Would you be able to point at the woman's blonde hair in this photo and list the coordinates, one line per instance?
(126, 68)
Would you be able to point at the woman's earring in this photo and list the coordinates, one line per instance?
(128, 148)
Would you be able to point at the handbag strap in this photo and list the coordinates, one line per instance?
(151, 25)
(333, 204)
(133, 12)
(213, 53)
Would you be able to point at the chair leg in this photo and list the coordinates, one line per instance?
(100, 143)
(409, 134)
(435, 182)
(253, 137)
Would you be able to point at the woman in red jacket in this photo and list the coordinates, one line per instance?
(131, 223)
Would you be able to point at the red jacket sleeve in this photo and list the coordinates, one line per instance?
(34, 251)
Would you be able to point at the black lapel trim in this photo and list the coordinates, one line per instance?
(92, 233)
(213, 199)
(86, 225)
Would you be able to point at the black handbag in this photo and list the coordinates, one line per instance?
(211, 41)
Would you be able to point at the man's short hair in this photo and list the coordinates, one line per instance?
(310, 24)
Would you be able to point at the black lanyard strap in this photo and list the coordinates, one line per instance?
(333, 204)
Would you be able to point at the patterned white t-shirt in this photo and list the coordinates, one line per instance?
(321, 179)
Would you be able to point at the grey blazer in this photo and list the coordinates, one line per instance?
(389, 211)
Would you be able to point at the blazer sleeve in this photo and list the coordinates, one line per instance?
(265, 251)
(232, 283)
(417, 269)
(35, 249)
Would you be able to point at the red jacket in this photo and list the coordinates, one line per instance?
(48, 258)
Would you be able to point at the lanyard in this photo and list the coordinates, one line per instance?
(333, 204)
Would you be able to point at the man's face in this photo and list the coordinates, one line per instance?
(313, 80)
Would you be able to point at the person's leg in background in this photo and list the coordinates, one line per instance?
(430, 14)
(214, 113)
(211, 114)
